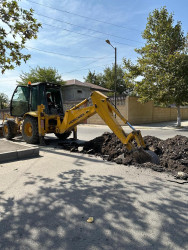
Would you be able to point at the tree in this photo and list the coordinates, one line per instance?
(91, 77)
(94, 78)
(39, 74)
(161, 72)
(106, 79)
(109, 76)
(3, 101)
(18, 26)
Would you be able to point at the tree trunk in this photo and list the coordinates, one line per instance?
(178, 116)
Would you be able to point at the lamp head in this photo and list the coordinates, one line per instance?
(108, 41)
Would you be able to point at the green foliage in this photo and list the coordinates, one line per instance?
(161, 71)
(39, 74)
(107, 79)
(18, 26)
(186, 44)
(94, 79)
(3, 101)
(109, 76)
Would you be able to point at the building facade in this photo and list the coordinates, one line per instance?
(75, 90)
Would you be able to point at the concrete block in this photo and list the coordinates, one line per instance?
(8, 156)
(12, 151)
(26, 153)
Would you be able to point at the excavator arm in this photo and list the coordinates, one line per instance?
(103, 107)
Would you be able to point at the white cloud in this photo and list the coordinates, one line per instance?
(8, 83)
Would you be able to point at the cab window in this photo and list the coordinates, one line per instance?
(20, 101)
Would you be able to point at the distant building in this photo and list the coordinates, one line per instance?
(75, 90)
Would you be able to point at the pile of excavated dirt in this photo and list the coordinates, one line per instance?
(172, 153)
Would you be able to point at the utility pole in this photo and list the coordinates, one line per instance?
(115, 77)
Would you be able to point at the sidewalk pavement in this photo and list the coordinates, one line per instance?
(14, 151)
(159, 125)
(164, 125)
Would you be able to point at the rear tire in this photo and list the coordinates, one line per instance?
(9, 129)
(64, 135)
(30, 130)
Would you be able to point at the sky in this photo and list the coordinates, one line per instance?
(73, 34)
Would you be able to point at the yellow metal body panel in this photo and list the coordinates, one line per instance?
(73, 117)
(5, 128)
(31, 113)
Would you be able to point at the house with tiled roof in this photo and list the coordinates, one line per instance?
(75, 90)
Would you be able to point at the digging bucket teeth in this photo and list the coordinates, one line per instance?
(141, 155)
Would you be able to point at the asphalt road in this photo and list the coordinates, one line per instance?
(160, 130)
(46, 201)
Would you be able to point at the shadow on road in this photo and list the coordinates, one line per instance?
(55, 217)
(78, 157)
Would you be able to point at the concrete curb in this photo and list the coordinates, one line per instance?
(19, 154)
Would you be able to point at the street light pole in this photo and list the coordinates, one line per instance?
(115, 77)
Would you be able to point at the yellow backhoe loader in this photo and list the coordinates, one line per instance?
(37, 109)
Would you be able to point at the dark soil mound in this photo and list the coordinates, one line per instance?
(173, 152)
(110, 148)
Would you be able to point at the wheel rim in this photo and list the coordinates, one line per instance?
(6, 129)
(28, 129)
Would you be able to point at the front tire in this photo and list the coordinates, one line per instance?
(30, 130)
(9, 129)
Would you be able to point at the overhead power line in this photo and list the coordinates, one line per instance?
(61, 54)
(100, 66)
(100, 32)
(88, 35)
(83, 67)
(86, 17)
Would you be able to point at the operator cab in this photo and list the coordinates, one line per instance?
(27, 98)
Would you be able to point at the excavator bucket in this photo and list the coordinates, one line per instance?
(141, 155)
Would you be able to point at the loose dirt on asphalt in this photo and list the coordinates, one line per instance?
(172, 152)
